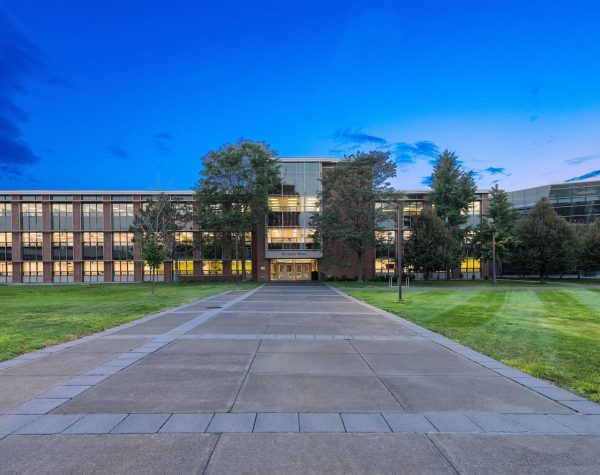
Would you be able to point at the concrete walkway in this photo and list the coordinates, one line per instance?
(284, 379)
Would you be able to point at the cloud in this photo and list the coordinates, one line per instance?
(357, 137)
(161, 141)
(585, 176)
(582, 159)
(409, 153)
(496, 171)
(118, 151)
(426, 180)
(20, 61)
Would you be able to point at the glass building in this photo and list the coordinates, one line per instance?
(578, 203)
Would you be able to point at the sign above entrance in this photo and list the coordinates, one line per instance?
(292, 254)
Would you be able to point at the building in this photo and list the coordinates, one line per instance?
(578, 203)
(83, 236)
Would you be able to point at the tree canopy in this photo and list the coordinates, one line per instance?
(431, 246)
(588, 249)
(232, 193)
(350, 195)
(546, 241)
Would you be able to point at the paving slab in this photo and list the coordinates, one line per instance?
(303, 346)
(321, 422)
(468, 393)
(49, 424)
(580, 423)
(114, 454)
(187, 423)
(365, 423)
(61, 363)
(408, 423)
(232, 422)
(141, 424)
(339, 364)
(316, 393)
(106, 345)
(277, 422)
(453, 422)
(326, 453)
(584, 407)
(37, 406)
(501, 454)
(400, 347)
(434, 364)
(183, 364)
(493, 422)
(540, 423)
(95, 424)
(12, 422)
(65, 391)
(166, 392)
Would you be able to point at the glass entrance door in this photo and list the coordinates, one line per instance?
(292, 269)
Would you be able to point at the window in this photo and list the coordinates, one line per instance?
(31, 216)
(159, 276)
(212, 267)
(470, 265)
(93, 246)
(236, 267)
(62, 246)
(93, 271)
(62, 271)
(474, 208)
(92, 216)
(5, 217)
(5, 246)
(385, 266)
(122, 216)
(123, 271)
(184, 242)
(184, 267)
(33, 271)
(292, 238)
(122, 246)
(62, 216)
(31, 246)
(6, 272)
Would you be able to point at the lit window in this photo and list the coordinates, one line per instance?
(33, 271)
(123, 271)
(62, 271)
(93, 271)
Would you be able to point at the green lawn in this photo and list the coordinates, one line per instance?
(504, 283)
(34, 316)
(551, 334)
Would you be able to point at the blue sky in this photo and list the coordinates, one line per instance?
(115, 95)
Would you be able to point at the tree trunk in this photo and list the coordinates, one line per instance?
(360, 266)
(153, 279)
(243, 257)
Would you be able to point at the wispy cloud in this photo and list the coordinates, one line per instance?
(20, 61)
(409, 152)
(162, 143)
(346, 136)
(118, 151)
(496, 171)
(585, 176)
(582, 159)
(426, 180)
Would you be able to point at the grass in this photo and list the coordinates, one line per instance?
(552, 334)
(35, 316)
(479, 283)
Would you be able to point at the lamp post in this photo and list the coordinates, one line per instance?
(491, 221)
(399, 244)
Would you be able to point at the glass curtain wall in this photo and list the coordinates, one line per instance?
(292, 206)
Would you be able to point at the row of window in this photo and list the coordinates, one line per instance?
(123, 271)
(92, 246)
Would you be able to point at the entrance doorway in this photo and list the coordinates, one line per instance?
(292, 269)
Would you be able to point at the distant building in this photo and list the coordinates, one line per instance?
(578, 203)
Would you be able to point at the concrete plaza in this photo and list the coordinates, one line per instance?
(284, 379)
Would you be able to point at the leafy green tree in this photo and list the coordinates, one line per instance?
(154, 228)
(350, 195)
(452, 191)
(232, 194)
(501, 220)
(546, 241)
(431, 246)
(588, 248)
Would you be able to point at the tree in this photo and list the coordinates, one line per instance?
(501, 220)
(588, 248)
(232, 194)
(154, 228)
(452, 191)
(431, 246)
(351, 192)
(546, 241)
